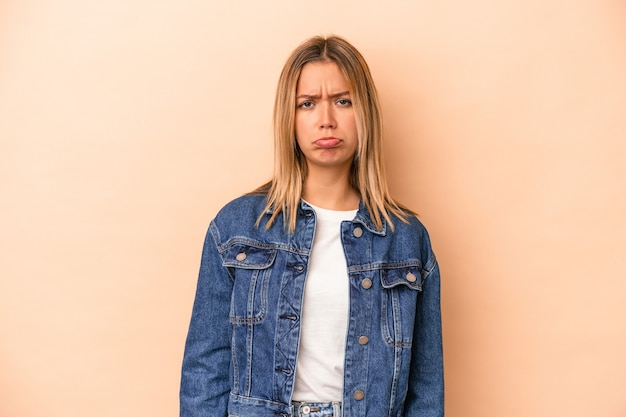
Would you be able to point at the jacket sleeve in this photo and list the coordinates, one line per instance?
(425, 397)
(205, 386)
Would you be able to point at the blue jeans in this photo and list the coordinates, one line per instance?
(302, 409)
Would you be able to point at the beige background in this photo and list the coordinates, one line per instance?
(125, 125)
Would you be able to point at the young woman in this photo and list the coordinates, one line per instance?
(318, 295)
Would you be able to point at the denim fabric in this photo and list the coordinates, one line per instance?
(241, 349)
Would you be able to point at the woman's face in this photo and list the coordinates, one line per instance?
(325, 124)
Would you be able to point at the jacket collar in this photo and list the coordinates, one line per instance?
(362, 216)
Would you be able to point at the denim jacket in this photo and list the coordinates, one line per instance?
(242, 346)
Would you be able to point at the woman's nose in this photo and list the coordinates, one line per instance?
(327, 116)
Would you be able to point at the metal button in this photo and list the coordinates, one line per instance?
(367, 283)
(358, 232)
(411, 277)
(359, 395)
(305, 409)
(364, 340)
(241, 256)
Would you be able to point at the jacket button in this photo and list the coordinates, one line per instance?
(363, 340)
(241, 256)
(358, 232)
(411, 277)
(359, 395)
(367, 283)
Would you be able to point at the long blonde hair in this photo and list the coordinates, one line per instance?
(284, 191)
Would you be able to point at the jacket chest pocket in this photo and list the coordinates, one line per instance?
(400, 290)
(251, 268)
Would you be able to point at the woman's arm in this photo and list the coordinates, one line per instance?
(425, 395)
(205, 386)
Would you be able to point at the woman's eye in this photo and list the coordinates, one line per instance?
(306, 104)
(344, 102)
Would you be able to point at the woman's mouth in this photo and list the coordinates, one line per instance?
(329, 142)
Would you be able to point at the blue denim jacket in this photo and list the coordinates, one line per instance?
(241, 349)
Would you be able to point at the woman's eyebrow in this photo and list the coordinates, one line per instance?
(317, 96)
(339, 94)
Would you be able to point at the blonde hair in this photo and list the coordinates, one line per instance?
(284, 191)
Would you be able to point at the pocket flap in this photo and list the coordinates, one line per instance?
(248, 257)
(408, 276)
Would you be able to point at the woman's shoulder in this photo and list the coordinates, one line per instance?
(238, 218)
(243, 207)
(409, 223)
(406, 218)
(410, 229)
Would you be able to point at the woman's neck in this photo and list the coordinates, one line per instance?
(330, 191)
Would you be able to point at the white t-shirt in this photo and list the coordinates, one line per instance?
(324, 321)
